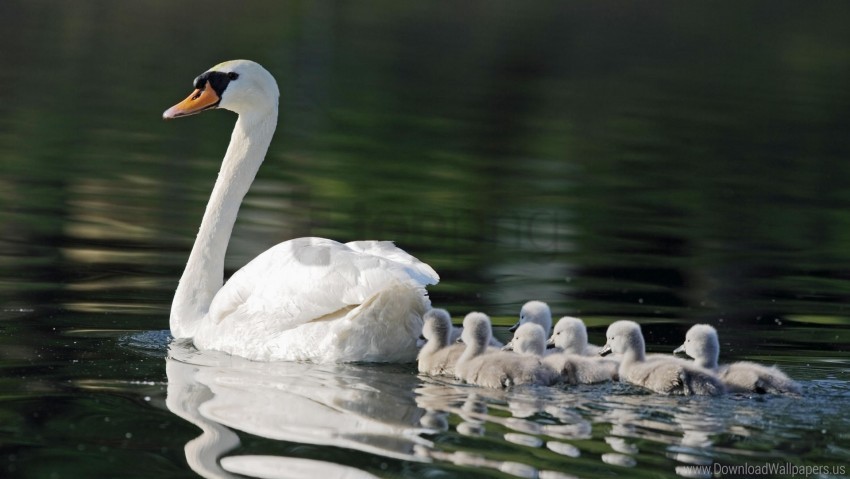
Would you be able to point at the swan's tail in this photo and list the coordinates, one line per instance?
(385, 328)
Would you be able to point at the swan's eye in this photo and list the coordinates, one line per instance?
(232, 76)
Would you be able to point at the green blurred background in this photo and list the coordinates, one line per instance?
(648, 159)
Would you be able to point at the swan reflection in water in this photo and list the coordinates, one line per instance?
(391, 412)
(370, 409)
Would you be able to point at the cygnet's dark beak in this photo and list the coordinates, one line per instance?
(508, 347)
(550, 344)
(514, 327)
(459, 340)
(605, 350)
(680, 349)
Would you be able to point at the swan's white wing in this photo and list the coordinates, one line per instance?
(307, 279)
(419, 271)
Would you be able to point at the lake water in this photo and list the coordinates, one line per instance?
(665, 163)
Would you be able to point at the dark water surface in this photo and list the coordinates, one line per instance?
(666, 163)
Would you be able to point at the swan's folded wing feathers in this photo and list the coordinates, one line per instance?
(324, 276)
(418, 270)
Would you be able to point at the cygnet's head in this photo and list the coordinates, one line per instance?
(437, 325)
(624, 337)
(241, 86)
(536, 312)
(702, 344)
(476, 330)
(528, 339)
(570, 334)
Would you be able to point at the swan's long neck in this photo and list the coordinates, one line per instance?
(204, 273)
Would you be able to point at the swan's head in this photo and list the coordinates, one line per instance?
(624, 337)
(437, 325)
(570, 334)
(528, 339)
(536, 312)
(701, 343)
(241, 86)
(476, 330)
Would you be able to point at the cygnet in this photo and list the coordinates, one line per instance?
(529, 339)
(702, 344)
(454, 337)
(495, 369)
(536, 312)
(570, 336)
(662, 374)
(438, 356)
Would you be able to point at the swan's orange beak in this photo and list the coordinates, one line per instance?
(198, 101)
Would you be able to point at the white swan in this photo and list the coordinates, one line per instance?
(304, 299)
(662, 374)
(529, 339)
(495, 369)
(438, 356)
(536, 312)
(702, 344)
(570, 336)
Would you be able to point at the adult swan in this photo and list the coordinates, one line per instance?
(305, 299)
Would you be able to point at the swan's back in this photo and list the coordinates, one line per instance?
(662, 374)
(320, 300)
(437, 357)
